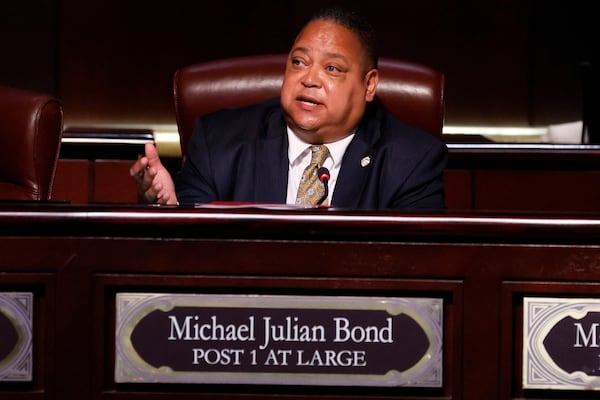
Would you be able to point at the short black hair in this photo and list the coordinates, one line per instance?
(354, 22)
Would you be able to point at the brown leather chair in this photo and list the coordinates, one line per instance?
(413, 93)
(31, 127)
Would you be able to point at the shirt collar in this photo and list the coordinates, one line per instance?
(297, 147)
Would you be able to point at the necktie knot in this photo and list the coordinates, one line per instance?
(319, 154)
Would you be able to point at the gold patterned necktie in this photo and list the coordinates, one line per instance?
(311, 189)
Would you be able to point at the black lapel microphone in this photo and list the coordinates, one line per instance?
(323, 174)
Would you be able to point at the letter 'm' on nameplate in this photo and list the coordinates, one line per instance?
(278, 340)
(16, 350)
(561, 343)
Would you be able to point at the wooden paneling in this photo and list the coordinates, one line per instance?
(94, 181)
(73, 181)
(76, 259)
(459, 189)
(112, 182)
(574, 191)
(507, 62)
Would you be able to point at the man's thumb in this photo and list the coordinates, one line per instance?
(152, 154)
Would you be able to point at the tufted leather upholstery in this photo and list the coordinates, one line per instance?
(30, 134)
(413, 93)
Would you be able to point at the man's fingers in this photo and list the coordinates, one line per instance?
(150, 195)
(138, 168)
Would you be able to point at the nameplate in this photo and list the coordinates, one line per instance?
(561, 343)
(278, 340)
(16, 350)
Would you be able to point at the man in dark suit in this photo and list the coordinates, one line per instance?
(259, 153)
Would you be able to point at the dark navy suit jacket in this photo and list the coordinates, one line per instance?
(240, 155)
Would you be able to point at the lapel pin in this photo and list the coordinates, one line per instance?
(365, 161)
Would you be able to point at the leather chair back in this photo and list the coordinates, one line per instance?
(413, 93)
(31, 127)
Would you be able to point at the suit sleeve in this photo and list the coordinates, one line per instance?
(194, 183)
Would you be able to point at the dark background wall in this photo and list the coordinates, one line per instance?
(507, 62)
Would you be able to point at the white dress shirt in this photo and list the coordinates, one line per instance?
(299, 157)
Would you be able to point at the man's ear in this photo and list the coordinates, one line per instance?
(371, 81)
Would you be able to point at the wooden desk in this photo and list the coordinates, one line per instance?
(75, 259)
(523, 177)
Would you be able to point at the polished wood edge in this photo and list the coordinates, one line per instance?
(269, 222)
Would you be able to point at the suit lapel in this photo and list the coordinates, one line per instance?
(356, 167)
(272, 162)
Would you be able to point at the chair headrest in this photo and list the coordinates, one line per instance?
(412, 92)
